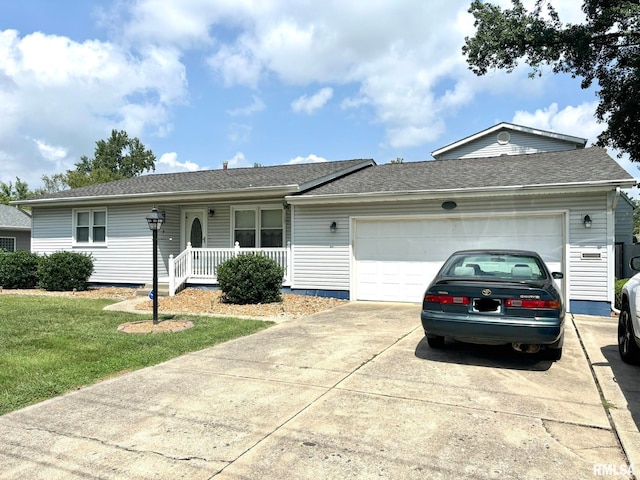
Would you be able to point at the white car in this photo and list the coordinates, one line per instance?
(628, 326)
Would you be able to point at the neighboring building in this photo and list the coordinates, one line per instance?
(15, 229)
(625, 245)
(354, 229)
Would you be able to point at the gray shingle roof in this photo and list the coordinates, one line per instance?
(585, 166)
(11, 217)
(232, 179)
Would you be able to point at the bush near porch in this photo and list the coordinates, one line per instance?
(250, 278)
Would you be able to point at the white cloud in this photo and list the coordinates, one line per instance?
(396, 63)
(398, 53)
(238, 161)
(68, 94)
(577, 120)
(308, 159)
(255, 107)
(239, 132)
(310, 104)
(51, 152)
(168, 162)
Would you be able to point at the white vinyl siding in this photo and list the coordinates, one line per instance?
(127, 259)
(519, 143)
(323, 259)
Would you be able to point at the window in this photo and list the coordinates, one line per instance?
(271, 228)
(495, 266)
(7, 244)
(258, 227)
(90, 226)
(245, 228)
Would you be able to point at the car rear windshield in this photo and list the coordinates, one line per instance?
(495, 266)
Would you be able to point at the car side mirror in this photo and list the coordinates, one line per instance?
(634, 263)
(559, 275)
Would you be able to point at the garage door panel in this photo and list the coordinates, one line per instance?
(396, 259)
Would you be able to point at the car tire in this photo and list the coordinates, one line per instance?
(629, 351)
(435, 341)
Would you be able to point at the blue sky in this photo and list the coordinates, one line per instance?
(201, 82)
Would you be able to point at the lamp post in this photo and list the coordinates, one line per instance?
(155, 220)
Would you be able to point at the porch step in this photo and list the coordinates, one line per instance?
(163, 289)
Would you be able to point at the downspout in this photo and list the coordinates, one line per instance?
(614, 204)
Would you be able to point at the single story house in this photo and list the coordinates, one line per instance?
(354, 229)
(15, 229)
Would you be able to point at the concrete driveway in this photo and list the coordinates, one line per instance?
(350, 393)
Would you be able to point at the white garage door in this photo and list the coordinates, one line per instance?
(396, 259)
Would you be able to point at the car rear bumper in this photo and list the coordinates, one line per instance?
(493, 329)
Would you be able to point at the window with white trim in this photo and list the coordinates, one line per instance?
(7, 244)
(90, 226)
(258, 227)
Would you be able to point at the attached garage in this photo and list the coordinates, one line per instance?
(395, 258)
(397, 223)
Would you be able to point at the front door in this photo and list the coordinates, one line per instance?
(195, 228)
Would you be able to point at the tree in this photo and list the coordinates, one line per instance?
(52, 184)
(116, 158)
(636, 218)
(10, 192)
(606, 49)
(397, 160)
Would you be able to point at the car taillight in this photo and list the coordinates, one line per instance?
(528, 303)
(447, 299)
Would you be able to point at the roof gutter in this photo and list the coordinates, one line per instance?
(605, 185)
(173, 197)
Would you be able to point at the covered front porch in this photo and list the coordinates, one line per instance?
(199, 265)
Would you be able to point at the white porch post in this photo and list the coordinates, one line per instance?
(287, 271)
(172, 276)
(189, 271)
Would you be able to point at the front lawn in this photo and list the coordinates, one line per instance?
(51, 345)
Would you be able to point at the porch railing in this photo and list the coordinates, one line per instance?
(201, 264)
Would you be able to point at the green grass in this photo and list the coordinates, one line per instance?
(51, 345)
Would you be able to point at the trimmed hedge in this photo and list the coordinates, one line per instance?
(19, 269)
(250, 278)
(65, 271)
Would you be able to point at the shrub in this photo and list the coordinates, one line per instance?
(250, 278)
(618, 293)
(19, 269)
(65, 271)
